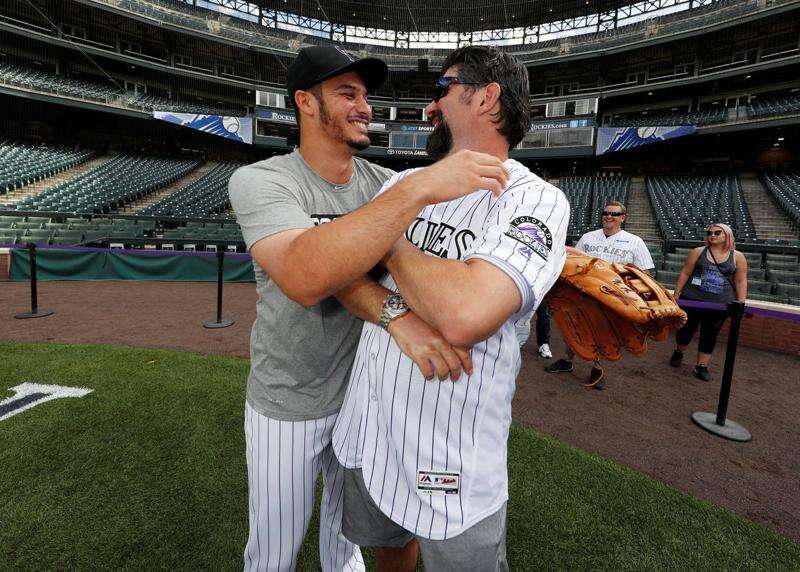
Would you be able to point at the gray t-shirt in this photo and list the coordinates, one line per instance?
(300, 358)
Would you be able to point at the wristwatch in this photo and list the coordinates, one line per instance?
(393, 307)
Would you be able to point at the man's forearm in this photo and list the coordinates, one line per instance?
(466, 302)
(434, 287)
(363, 299)
(330, 256)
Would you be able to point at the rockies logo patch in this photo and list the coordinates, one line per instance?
(533, 234)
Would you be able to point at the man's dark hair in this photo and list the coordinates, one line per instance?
(486, 64)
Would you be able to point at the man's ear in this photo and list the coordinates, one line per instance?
(491, 97)
(305, 102)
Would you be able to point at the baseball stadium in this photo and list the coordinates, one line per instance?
(203, 202)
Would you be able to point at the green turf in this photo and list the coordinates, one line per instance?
(148, 472)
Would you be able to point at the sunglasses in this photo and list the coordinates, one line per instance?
(609, 213)
(443, 83)
(713, 232)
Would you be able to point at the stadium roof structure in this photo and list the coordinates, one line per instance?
(455, 16)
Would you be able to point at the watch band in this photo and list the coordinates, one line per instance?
(393, 307)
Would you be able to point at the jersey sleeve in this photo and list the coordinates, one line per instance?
(641, 256)
(392, 181)
(525, 236)
(264, 204)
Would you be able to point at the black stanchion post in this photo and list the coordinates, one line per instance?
(719, 424)
(219, 323)
(35, 311)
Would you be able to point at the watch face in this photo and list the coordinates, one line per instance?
(396, 302)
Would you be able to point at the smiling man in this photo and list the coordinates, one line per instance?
(313, 295)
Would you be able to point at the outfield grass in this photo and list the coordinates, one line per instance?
(148, 472)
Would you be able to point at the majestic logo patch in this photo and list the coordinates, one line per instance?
(433, 483)
(32, 394)
(533, 234)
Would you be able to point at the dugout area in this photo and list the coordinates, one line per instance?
(148, 470)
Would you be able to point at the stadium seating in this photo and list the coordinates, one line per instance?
(585, 193)
(780, 105)
(204, 197)
(685, 205)
(705, 117)
(22, 164)
(785, 187)
(110, 186)
(110, 94)
(74, 231)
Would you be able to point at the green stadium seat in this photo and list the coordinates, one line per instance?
(784, 277)
(767, 297)
(784, 258)
(39, 219)
(39, 236)
(68, 237)
(785, 266)
(756, 274)
(760, 286)
(28, 225)
(788, 290)
(667, 278)
(753, 259)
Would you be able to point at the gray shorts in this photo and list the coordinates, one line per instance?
(482, 547)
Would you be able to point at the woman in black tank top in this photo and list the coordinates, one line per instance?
(717, 273)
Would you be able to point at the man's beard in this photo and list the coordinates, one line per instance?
(440, 140)
(338, 133)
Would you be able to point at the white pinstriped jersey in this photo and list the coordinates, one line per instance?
(622, 247)
(433, 454)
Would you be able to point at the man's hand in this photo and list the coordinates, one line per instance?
(428, 349)
(458, 175)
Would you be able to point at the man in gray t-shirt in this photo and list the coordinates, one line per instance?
(313, 244)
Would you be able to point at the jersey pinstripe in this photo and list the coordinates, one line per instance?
(622, 247)
(284, 459)
(433, 454)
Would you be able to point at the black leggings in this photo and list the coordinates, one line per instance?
(710, 323)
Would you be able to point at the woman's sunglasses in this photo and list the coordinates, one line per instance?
(713, 232)
(443, 83)
(612, 213)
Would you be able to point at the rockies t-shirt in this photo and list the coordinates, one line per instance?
(622, 247)
(300, 358)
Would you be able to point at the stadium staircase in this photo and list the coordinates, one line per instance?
(769, 220)
(140, 204)
(640, 220)
(34, 189)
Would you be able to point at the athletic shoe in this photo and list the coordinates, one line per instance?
(677, 359)
(544, 351)
(701, 372)
(560, 366)
(597, 379)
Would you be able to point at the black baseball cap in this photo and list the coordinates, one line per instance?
(313, 65)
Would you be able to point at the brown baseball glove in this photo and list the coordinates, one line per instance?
(602, 307)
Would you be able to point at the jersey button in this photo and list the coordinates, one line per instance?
(373, 397)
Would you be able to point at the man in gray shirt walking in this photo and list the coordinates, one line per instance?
(314, 293)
